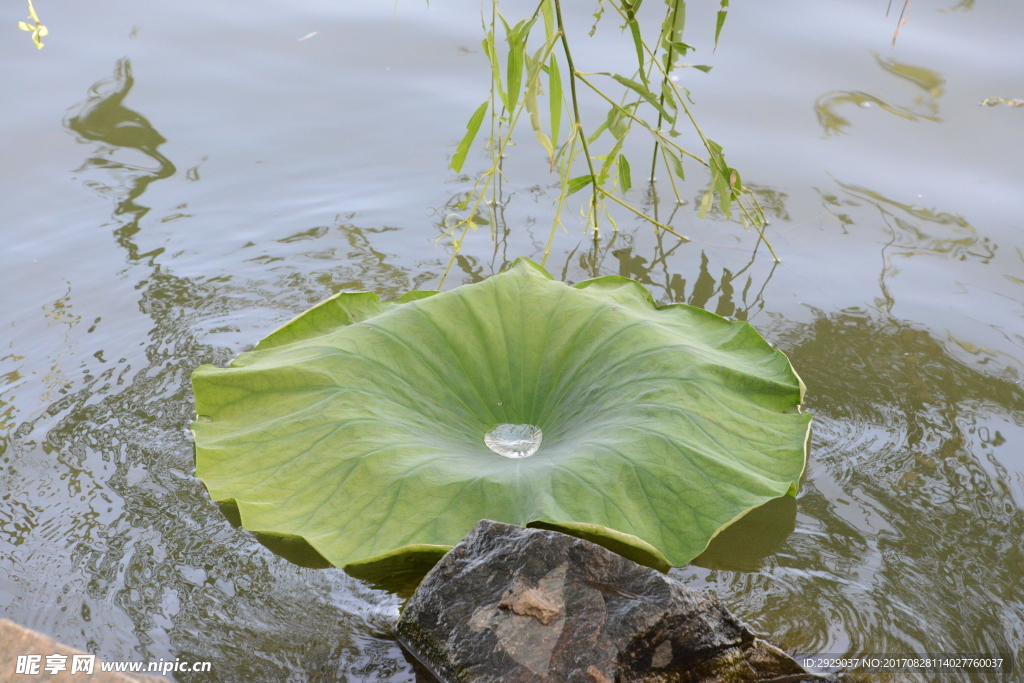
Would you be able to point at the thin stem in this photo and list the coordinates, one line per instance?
(643, 215)
(561, 202)
(639, 120)
(576, 111)
(757, 224)
(499, 142)
(693, 121)
(669, 55)
(671, 175)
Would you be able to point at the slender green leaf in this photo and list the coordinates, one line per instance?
(467, 141)
(532, 91)
(616, 123)
(577, 184)
(667, 96)
(607, 161)
(720, 21)
(535, 64)
(597, 18)
(547, 10)
(546, 143)
(597, 133)
(634, 30)
(625, 180)
(638, 43)
(723, 179)
(517, 38)
(492, 55)
(676, 162)
(680, 47)
(702, 67)
(705, 205)
(514, 71)
(644, 93)
(672, 27)
(555, 98)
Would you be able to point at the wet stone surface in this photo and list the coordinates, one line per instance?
(520, 605)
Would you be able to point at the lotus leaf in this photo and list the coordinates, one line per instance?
(360, 425)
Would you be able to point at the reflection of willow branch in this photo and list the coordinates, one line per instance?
(907, 226)
(874, 197)
(592, 260)
(770, 202)
(926, 105)
(759, 299)
(929, 81)
(705, 287)
(102, 118)
(913, 238)
(661, 254)
(887, 296)
(652, 198)
(499, 224)
(726, 306)
(834, 124)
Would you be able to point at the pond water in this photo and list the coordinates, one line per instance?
(177, 179)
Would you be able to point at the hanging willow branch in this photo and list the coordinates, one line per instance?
(648, 97)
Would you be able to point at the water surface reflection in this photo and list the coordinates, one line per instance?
(910, 532)
(907, 535)
(925, 104)
(104, 119)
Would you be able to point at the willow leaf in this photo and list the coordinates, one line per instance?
(554, 99)
(625, 180)
(578, 183)
(643, 92)
(490, 49)
(720, 20)
(472, 128)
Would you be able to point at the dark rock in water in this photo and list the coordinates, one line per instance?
(516, 605)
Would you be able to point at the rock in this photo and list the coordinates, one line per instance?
(516, 605)
(18, 641)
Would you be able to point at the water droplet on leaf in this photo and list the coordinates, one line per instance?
(514, 441)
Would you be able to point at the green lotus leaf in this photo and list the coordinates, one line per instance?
(360, 426)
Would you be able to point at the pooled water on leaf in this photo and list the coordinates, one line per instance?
(514, 441)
